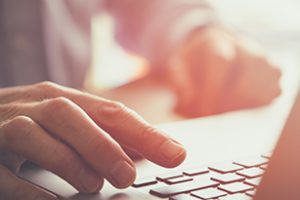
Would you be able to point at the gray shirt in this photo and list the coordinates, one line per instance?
(22, 52)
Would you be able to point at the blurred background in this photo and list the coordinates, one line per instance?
(274, 23)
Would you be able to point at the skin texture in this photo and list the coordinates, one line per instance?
(214, 71)
(70, 132)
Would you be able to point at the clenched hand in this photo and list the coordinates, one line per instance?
(214, 71)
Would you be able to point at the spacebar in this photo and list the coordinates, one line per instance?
(170, 190)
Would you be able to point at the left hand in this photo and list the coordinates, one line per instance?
(213, 72)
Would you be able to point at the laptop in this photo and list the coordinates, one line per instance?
(271, 175)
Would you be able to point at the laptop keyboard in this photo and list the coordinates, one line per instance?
(236, 180)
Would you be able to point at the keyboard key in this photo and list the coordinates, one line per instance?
(164, 177)
(251, 172)
(225, 167)
(251, 193)
(178, 180)
(235, 187)
(183, 197)
(170, 190)
(251, 162)
(227, 178)
(141, 182)
(210, 193)
(253, 182)
(235, 197)
(196, 171)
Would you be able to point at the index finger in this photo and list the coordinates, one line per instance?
(128, 128)
(131, 130)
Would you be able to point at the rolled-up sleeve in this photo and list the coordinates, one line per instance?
(152, 28)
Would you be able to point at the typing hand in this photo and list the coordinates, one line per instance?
(213, 72)
(77, 136)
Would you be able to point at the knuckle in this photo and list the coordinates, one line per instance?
(20, 123)
(113, 112)
(146, 133)
(59, 103)
(17, 128)
(47, 85)
(56, 107)
(115, 107)
(46, 89)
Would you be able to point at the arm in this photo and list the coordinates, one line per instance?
(152, 28)
(210, 69)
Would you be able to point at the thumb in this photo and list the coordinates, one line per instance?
(18, 189)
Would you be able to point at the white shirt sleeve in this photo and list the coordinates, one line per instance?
(152, 28)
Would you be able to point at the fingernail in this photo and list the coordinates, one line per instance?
(123, 174)
(89, 180)
(171, 150)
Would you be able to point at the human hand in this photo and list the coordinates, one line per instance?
(214, 71)
(75, 135)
